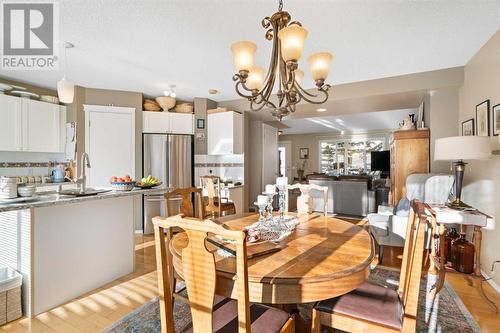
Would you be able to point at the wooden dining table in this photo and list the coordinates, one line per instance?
(323, 257)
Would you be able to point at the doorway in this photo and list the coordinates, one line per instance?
(285, 158)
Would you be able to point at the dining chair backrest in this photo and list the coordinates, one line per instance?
(199, 271)
(212, 184)
(305, 201)
(186, 206)
(411, 268)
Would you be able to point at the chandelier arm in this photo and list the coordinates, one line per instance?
(323, 100)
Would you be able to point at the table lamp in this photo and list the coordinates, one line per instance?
(459, 149)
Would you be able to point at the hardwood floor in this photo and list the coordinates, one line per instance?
(100, 308)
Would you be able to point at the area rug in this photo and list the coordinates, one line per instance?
(445, 313)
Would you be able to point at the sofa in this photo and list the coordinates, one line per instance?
(388, 226)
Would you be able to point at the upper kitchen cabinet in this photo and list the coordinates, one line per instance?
(225, 133)
(31, 126)
(167, 122)
(44, 127)
(10, 123)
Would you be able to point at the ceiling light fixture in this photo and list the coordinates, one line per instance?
(66, 88)
(257, 86)
(170, 92)
(321, 110)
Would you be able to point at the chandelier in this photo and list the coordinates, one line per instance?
(288, 42)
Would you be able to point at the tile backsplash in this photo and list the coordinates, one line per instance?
(28, 164)
(228, 167)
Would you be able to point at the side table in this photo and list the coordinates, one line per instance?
(440, 217)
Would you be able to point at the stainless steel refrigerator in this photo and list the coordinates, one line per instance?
(170, 159)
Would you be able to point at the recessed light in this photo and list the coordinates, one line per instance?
(321, 110)
(342, 132)
(213, 91)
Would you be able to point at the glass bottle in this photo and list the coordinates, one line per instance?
(449, 237)
(462, 255)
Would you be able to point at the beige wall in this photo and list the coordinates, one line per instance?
(482, 178)
(443, 115)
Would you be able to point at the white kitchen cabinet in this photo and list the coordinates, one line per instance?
(43, 127)
(32, 126)
(225, 133)
(167, 122)
(10, 123)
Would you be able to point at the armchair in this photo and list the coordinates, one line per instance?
(389, 227)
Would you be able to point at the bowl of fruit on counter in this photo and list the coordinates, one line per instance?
(122, 183)
(148, 182)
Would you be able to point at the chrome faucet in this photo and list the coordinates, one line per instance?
(81, 181)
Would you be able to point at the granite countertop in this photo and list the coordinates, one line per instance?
(54, 199)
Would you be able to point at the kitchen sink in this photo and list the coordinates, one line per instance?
(89, 191)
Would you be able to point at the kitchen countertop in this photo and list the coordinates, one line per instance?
(54, 199)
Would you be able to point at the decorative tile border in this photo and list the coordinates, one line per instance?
(219, 165)
(30, 164)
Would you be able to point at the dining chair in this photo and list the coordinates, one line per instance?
(305, 201)
(186, 207)
(215, 204)
(199, 271)
(372, 307)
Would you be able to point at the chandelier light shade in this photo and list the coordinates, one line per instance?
(243, 54)
(65, 90)
(255, 79)
(320, 65)
(292, 40)
(283, 76)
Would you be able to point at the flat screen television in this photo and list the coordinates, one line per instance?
(381, 161)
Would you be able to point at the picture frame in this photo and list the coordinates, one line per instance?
(468, 127)
(483, 118)
(200, 124)
(304, 153)
(496, 119)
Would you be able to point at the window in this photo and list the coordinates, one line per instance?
(350, 156)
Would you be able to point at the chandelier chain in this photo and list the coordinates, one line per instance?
(280, 6)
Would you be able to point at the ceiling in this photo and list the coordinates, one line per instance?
(349, 123)
(147, 45)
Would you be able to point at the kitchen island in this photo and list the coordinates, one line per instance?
(65, 246)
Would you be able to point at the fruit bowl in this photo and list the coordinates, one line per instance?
(146, 186)
(123, 186)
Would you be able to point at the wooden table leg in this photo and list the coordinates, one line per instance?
(477, 248)
(432, 268)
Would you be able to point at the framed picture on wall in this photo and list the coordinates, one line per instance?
(468, 127)
(304, 153)
(483, 118)
(496, 119)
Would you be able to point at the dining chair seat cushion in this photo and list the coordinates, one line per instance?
(264, 319)
(369, 302)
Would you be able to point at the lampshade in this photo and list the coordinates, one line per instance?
(292, 42)
(255, 78)
(457, 148)
(320, 65)
(243, 53)
(65, 90)
(299, 75)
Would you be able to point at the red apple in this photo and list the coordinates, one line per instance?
(120, 180)
(113, 179)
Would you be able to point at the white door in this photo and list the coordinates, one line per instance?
(269, 155)
(286, 158)
(110, 143)
(10, 123)
(42, 126)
